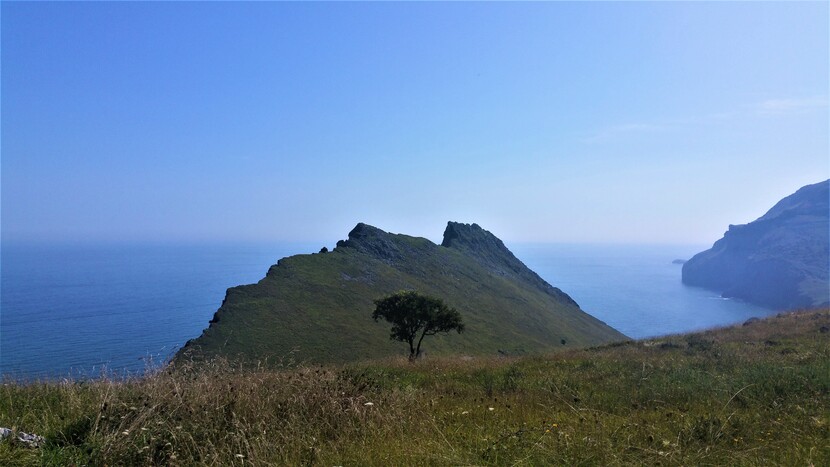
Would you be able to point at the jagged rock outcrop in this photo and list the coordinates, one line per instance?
(491, 253)
(780, 261)
(318, 307)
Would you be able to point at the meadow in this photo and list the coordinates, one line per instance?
(753, 394)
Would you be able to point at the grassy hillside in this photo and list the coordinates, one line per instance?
(318, 307)
(748, 395)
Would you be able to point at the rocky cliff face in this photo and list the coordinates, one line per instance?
(779, 261)
(318, 307)
(491, 253)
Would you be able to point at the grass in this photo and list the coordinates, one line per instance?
(745, 395)
(321, 304)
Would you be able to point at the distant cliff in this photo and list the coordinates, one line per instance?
(318, 307)
(779, 261)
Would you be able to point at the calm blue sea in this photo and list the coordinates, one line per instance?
(635, 288)
(72, 311)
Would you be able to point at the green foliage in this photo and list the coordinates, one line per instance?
(412, 313)
(313, 308)
(73, 433)
(721, 397)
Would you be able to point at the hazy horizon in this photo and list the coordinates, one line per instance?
(627, 123)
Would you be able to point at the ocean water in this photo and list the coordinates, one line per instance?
(77, 310)
(636, 289)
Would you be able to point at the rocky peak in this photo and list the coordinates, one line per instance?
(488, 250)
(469, 239)
(472, 237)
(482, 245)
(365, 232)
(372, 240)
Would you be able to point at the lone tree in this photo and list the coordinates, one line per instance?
(412, 313)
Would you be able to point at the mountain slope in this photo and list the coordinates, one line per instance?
(779, 260)
(317, 307)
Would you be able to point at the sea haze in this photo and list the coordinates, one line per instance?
(73, 310)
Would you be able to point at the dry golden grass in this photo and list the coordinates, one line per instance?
(746, 395)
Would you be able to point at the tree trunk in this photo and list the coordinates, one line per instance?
(418, 349)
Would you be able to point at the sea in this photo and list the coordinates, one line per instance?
(78, 311)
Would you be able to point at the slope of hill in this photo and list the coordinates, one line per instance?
(317, 307)
(757, 394)
(780, 261)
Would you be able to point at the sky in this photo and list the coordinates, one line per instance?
(541, 122)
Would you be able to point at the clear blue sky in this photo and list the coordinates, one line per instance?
(589, 122)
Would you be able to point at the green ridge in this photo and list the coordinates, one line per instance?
(318, 307)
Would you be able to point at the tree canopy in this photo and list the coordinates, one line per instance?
(412, 313)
